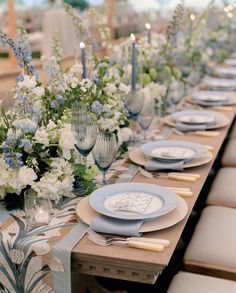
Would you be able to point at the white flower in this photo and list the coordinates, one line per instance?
(38, 91)
(41, 137)
(28, 82)
(126, 134)
(124, 88)
(25, 176)
(66, 141)
(110, 89)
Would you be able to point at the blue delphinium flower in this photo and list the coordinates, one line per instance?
(57, 102)
(20, 49)
(97, 108)
(10, 156)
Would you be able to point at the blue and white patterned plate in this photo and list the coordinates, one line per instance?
(133, 201)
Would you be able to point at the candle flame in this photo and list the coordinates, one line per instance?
(82, 45)
(132, 36)
(148, 26)
(192, 17)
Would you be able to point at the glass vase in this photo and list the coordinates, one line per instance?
(37, 210)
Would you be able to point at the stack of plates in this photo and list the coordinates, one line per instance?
(230, 62)
(213, 98)
(193, 120)
(220, 84)
(155, 206)
(224, 72)
(171, 152)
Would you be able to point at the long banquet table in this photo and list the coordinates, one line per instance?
(139, 265)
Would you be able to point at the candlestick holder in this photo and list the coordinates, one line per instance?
(37, 210)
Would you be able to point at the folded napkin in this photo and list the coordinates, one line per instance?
(155, 165)
(187, 127)
(104, 224)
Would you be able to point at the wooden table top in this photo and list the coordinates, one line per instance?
(140, 265)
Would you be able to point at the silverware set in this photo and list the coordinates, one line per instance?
(151, 244)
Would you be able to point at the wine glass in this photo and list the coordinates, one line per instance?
(84, 130)
(104, 152)
(146, 116)
(175, 94)
(134, 103)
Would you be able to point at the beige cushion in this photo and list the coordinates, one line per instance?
(229, 157)
(213, 245)
(193, 283)
(233, 132)
(223, 190)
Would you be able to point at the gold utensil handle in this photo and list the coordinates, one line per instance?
(208, 133)
(184, 193)
(178, 188)
(164, 242)
(145, 245)
(182, 178)
(186, 174)
(209, 147)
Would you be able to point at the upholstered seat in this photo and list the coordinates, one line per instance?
(233, 132)
(223, 190)
(193, 283)
(229, 157)
(213, 245)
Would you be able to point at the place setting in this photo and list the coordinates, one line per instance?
(224, 72)
(198, 122)
(129, 210)
(212, 98)
(217, 83)
(170, 155)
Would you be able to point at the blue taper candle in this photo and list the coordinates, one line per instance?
(83, 59)
(133, 82)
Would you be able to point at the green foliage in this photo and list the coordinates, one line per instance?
(81, 4)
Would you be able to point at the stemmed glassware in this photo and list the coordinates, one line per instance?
(176, 93)
(134, 104)
(146, 115)
(104, 152)
(84, 130)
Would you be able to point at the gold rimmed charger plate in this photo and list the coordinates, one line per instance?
(86, 214)
(137, 157)
(169, 121)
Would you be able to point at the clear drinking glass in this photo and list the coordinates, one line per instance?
(176, 93)
(104, 152)
(146, 116)
(84, 130)
(37, 210)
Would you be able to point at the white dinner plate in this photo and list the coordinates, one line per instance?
(133, 201)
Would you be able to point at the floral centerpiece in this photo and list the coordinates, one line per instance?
(37, 145)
